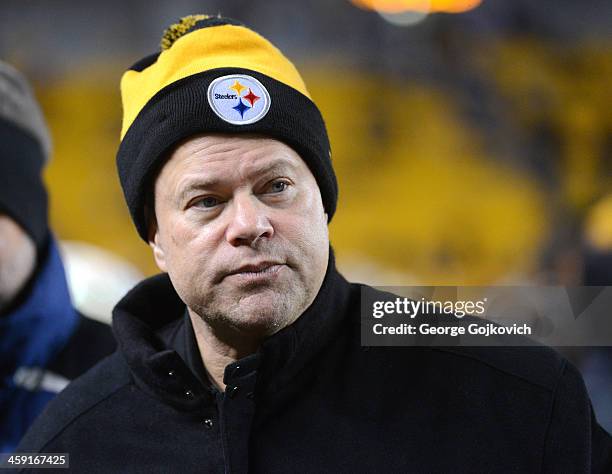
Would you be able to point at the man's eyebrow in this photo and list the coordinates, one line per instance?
(208, 183)
(200, 184)
(276, 165)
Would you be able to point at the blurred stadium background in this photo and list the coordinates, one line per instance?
(472, 139)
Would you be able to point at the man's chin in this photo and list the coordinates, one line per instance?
(262, 314)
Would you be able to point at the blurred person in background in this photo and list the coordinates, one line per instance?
(596, 363)
(244, 355)
(580, 254)
(44, 342)
(597, 244)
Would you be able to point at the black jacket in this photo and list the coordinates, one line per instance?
(314, 400)
(91, 342)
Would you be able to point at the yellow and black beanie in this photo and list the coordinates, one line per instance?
(215, 75)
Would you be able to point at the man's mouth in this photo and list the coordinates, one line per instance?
(257, 269)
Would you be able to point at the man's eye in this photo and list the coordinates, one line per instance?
(207, 202)
(278, 186)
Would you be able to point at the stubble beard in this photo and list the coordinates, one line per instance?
(254, 312)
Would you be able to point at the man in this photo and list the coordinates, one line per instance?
(245, 355)
(44, 343)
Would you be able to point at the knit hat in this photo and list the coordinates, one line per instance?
(215, 75)
(24, 149)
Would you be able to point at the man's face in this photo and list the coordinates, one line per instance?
(241, 231)
(17, 259)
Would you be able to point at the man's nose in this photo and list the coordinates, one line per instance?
(248, 221)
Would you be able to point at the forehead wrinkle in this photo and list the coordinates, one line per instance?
(195, 158)
(216, 143)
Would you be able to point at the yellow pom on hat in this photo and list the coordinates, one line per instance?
(175, 31)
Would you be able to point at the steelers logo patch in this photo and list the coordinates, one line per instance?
(238, 99)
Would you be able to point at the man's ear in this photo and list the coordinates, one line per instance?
(155, 242)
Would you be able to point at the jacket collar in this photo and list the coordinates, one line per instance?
(288, 351)
(148, 318)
